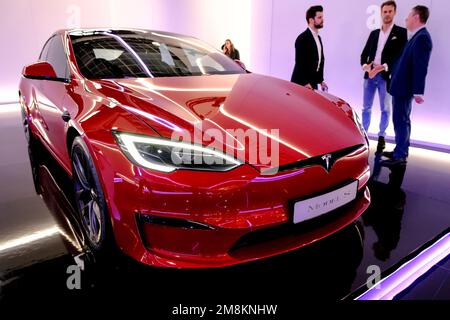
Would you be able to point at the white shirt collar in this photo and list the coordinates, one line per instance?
(313, 32)
(388, 30)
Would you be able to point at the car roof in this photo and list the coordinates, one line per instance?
(118, 31)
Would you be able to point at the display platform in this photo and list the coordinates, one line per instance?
(43, 256)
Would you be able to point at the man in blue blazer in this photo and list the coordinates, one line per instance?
(408, 82)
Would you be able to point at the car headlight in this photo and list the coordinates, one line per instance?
(167, 155)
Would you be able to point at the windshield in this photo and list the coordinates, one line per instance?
(114, 54)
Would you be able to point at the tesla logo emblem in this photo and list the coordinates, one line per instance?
(328, 163)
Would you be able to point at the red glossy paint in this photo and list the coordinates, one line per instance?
(235, 203)
(41, 69)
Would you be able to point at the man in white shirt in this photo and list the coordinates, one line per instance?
(309, 57)
(382, 48)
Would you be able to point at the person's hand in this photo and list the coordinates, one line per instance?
(368, 67)
(324, 86)
(375, 71)
(308, 86)
(419, 99)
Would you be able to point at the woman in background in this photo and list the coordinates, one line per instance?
(229, 49)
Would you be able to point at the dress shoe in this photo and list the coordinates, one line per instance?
(388, 154)
(381, 145)
(393, 162)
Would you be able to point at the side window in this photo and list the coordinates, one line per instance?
(44, 51)
(57, 57)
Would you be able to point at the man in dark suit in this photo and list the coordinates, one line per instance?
(382, 48)
(408, 81)
(309, 58)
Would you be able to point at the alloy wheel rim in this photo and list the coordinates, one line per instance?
(86, 196)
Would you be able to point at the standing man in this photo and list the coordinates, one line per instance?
(309, 58)
(382, 48)
(408, 81)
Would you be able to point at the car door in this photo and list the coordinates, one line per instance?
(52, 96)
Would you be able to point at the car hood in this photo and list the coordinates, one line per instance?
(290, 120)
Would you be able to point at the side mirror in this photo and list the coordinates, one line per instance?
(40, 70)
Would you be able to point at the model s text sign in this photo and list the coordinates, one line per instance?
(317, 206)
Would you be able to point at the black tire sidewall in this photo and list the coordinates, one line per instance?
(28, 135)
(106, 239)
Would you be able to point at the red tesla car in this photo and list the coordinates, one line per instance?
(181, 158)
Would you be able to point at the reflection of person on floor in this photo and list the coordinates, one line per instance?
(229, 50)
(385, 216)
(408, 81)
(382, 48)
(397, 172)
(309, 57)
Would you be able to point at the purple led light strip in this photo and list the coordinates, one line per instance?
(409, 272)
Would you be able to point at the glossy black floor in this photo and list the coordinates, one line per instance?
(40, 240)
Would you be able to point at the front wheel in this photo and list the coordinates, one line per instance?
(26, 128)
(90, 200)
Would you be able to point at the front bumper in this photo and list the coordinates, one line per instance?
(189, 219)
(202, 248)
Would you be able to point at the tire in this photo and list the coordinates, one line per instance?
(26, 128)
(90, 201)
(33, 150)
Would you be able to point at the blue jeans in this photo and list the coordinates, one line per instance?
(402, 125)
(370, 86)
